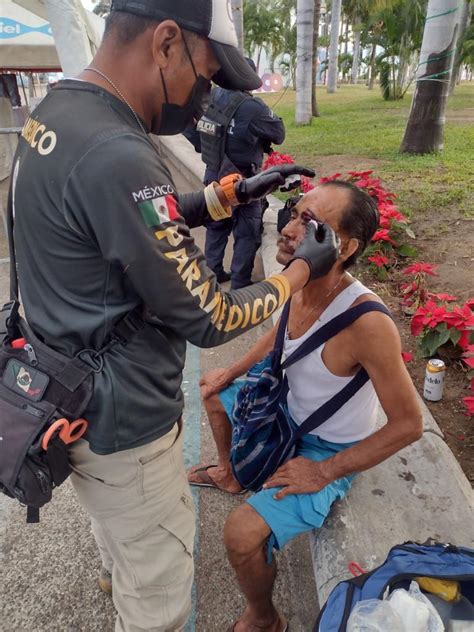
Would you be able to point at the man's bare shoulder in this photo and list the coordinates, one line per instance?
(374, 330)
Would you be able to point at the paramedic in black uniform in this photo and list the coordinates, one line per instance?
(101, 234)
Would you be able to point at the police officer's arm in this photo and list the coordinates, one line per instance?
(265, 124)
(120, 198)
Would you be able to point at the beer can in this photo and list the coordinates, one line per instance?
(434, 380)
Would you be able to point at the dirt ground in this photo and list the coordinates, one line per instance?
(445, 236)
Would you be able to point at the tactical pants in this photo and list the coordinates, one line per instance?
(144, 523)
(246, 226)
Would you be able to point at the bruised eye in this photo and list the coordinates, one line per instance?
(306, 217)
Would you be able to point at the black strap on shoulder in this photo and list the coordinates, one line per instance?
(332, 328)
(281, 332)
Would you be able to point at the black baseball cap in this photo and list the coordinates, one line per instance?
(211, 18)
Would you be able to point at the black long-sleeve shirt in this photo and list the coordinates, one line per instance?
(100, 231)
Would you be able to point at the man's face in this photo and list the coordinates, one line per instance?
(179, 76)
(323, 204)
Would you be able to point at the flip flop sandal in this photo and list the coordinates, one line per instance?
(207, 481)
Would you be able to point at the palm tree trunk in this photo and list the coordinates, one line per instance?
(425, 128)
(304, 62)
(334, 46)
(356, 53)
(238, 15)
(372, 67)
(317, 15)
(463, 24)
(346, 37)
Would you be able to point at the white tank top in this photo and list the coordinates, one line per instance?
(312, 384)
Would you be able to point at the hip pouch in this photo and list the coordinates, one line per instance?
(43, 395)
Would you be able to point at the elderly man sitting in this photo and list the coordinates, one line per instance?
(298, 497)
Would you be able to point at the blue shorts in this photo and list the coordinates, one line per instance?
(297, 513)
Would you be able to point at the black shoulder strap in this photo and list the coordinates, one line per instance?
(234, 103)
(328, 409)
(332, 328)
(280, 335)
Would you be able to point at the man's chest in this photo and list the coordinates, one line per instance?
(337, 354)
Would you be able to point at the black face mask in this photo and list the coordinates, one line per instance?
(176, 118)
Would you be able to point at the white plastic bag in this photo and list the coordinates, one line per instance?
(374, 615)
(416, 612)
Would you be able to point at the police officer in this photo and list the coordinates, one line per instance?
(232, 136)
(103, 246)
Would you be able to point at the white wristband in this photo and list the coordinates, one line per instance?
(214, 206)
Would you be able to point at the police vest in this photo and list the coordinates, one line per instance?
(212, 129)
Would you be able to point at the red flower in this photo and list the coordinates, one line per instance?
(445, 298)
(275, 159)
(407, 356)
(460, 317)
(469, 360)
(470, 303)
(383, 235)
(335, 176)
(306, 184)
(429, 315)
(379, 260)
(469, 403)
(390, 212)
(421, 268)
(360, 174)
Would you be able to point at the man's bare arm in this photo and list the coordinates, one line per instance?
(377, 348)
(217, 380)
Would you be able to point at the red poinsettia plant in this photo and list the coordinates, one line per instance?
(414, 292)
(438, 323)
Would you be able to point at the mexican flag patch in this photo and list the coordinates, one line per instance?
(158, 211)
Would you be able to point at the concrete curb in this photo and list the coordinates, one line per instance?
(420, 492)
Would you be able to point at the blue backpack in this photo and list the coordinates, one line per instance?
(263, 434)
(404, 563)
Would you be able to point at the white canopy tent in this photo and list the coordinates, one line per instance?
(26, 41)
(77, 32)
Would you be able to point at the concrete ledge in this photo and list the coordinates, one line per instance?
(418, 493)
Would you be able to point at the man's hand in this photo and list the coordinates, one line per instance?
(269, 181)
(299, 476)
(319, 249)
(215, 381)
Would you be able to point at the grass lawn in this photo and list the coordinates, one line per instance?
(358, 123)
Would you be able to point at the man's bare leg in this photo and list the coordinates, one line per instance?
(245, 537)
(222, 431)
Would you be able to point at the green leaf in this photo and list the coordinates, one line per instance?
(410, 233)
(431, 342)
(382, 274)
(444, 335)
(406, 251)
(454, 335)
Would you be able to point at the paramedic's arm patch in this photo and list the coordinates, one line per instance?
(121, 197)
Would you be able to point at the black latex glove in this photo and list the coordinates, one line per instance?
(269, 181)
(319, 249)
